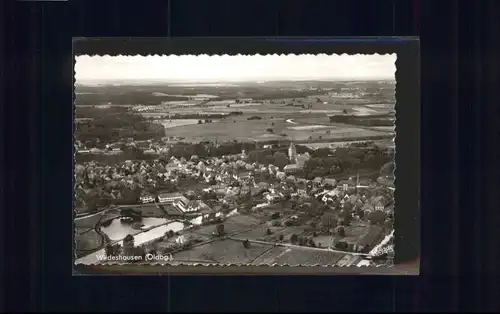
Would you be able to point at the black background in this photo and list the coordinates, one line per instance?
(459, 151)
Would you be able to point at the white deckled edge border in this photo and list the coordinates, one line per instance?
(218, 265)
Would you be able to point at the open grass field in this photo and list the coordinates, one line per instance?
(322, 240)
(354, 233)
(270, 257)
(289, 231)
(244, 220)
(87, 241)
(233, 224)
(260, 233)
(224, 252)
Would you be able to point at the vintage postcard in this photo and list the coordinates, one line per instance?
(216, 160)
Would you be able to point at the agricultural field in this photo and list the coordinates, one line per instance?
(241, 129)
(223, 252)
(298, 257)
(270, 257)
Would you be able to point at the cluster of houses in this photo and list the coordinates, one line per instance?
(229, 178)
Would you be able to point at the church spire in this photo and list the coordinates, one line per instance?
(292, 154)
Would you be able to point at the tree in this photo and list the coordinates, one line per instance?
(280, 160)
(377, 217)
(246, 244)
(340, 231)
(268, 231)
(200, 122)
(140, 251)
(311, 243)
(361, 214)
(220, 230)
(294, 238)
(270, 130)
(346, 216)
(341, 245)
(323, 152)
(170, 233)
(281, 237)
(113, 250)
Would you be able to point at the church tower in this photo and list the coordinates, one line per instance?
(292, 154)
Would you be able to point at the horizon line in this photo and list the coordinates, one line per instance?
(236, 81)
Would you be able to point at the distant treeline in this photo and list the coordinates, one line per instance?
(128, 98)
(131, 95)
(112, 125)
(202, 116)
(372, 120)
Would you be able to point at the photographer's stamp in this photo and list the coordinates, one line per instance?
(217, 160)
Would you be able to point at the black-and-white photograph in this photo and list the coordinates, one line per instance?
(283, 160)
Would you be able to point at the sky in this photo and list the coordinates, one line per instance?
(204, 68)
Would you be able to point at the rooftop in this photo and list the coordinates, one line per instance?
(170, 195)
